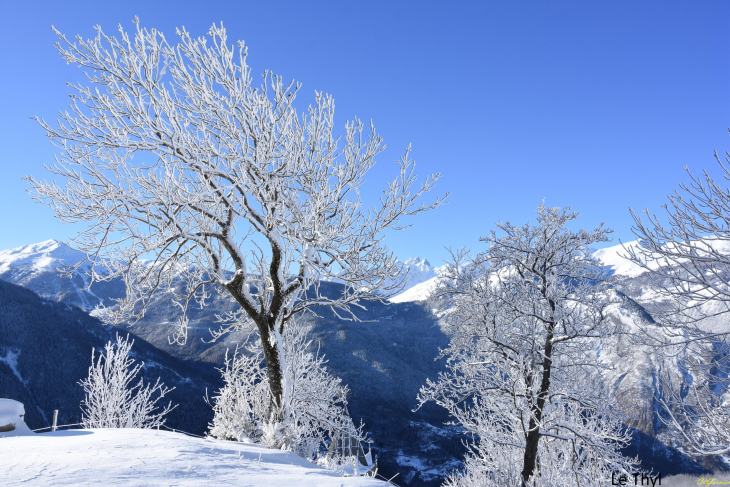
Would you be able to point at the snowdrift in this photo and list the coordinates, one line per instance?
(155, 458)
(11, 419)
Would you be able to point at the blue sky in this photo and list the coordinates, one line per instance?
(594, 105)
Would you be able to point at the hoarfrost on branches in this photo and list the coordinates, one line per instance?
(523, 374)
(697, 407)
(688, 259)
(242, 404)
(172, 153)
(317, 405)
(112, 401)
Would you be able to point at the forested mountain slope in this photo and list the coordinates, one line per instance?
(384, 359)
(45, 349)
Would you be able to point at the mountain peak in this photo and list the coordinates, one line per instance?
(417, 262)
(42, 256)
(614, 258)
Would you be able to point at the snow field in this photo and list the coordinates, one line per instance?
(144, 457)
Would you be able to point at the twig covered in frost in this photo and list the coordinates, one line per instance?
(522, 372)
(687, 256)
(173, 153)
(317, 401)
(112, 401)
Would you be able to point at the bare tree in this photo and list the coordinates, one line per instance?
(688, 259)
(112, 401)
(523, 374)
(173, 154)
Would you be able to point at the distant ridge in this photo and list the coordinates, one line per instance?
(45, 349)
(384, 359)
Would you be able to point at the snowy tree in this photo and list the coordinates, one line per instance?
(687, 256)
(317, 400)
(523, 375)
(697, 405)
(112, 400)
(173, 154)
(241, 406)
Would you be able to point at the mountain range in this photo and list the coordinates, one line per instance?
(384, 358)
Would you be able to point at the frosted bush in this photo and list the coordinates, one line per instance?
(315, 407)
(111, 400)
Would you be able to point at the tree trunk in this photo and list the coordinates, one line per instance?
(276, 374)
(533, 435)
(271, 353)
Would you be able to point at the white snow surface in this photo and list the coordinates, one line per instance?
(42, 257)
(613, 258)
(419, 292)
(11, 413)
(143, 457)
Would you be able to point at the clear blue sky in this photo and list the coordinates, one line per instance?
(594, 105)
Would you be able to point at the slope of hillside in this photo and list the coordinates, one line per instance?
(418, 292)
(45, 349)
(37, 266)
(614, 259)
(155, 458)
(386, 358)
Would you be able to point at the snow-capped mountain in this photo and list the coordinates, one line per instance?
(636, 283)
(384, 359)
(423, 279)
(614, 258)
(41, 257)
(419, 270)
(37, 267)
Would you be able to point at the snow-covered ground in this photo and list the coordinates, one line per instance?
(138, 457)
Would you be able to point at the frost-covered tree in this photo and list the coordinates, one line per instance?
(112, 400)
(241, 406)
(173, 154)
(523, 374)
(687, 256)
(697, 403)
(687, 252)
(317, 400)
